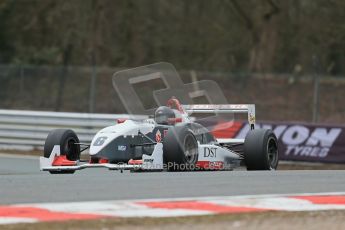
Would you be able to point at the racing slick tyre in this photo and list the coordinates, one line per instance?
(180, 149)
(67, 140)
(261, 150)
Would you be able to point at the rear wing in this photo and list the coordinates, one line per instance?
(235, 108)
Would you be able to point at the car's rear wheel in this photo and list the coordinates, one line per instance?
(261, 150)
(67, 140)
(180, 149)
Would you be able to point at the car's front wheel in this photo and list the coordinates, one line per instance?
(67, 140)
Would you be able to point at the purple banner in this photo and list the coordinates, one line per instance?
(299, 141)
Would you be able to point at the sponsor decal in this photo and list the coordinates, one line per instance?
(121, 147)
(216, 164)
(148, 160)
(158, 136)
(251, 118)
(210, 152)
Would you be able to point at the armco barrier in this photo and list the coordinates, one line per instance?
(29, 129)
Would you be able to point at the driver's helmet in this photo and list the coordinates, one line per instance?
(162, 115)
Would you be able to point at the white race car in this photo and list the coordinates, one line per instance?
(170, 141)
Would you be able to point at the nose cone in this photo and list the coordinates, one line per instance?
(108, 135)
(102, 139)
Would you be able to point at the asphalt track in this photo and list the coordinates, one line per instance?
(22, 182)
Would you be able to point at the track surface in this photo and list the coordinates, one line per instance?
(22, 182)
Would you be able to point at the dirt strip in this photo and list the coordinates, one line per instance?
(266, 221)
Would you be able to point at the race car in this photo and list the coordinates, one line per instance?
(169, 141)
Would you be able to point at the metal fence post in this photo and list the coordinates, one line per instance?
(92, 89)
(316, 97)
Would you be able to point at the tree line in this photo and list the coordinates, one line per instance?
(293, 36)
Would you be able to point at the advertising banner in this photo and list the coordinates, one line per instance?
(297, 141)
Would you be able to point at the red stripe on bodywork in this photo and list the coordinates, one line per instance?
(340, 200)
(226, 129)
(135, 162)
(200, 206)
(44, 214)
(212, 165)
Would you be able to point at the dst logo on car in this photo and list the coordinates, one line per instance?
(210, 152)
